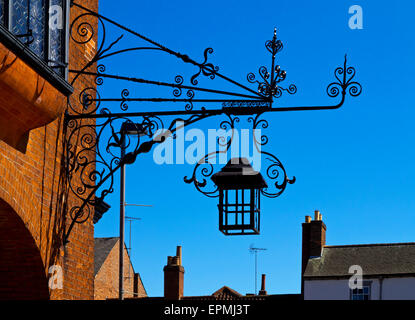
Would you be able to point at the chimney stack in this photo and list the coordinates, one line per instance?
(173, 276)
(314, 239)
(263, 292)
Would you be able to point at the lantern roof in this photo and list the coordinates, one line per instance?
(239, 174)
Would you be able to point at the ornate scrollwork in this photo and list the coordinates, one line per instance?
(274, 46)
(81, 30)
(177, 92)
(100, 80)
(124, 95)
(269, 85)
(344, 76)
(86, 151)
(258, 124)
(205, 166)
(275, 171)
(202, 171)
(92, 156)
(277, 174)
(206, 68)
(95, 151)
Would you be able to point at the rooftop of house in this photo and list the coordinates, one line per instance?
(387, 259)
(102, 248)
(226, 293)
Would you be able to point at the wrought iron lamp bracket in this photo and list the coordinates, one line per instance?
(94, 140)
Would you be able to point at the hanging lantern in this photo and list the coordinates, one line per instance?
(239, 197)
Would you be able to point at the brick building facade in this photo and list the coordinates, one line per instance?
(34, 197)
(106, 283)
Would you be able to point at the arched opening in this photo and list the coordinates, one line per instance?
(22, 274)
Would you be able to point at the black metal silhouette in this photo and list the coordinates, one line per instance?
(93, 149)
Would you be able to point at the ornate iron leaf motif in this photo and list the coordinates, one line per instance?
(93, 151)
(208, 69)
(269, 86)
(344, 76)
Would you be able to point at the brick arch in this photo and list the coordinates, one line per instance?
(22, 273)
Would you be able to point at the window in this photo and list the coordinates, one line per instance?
(42, 26)
(363, 293)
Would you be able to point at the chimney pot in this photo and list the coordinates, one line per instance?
(179, 254)
(175, 261)
(263, 292)
(317, 215)
(307, 219)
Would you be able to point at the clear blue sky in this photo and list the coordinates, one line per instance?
(354, 164)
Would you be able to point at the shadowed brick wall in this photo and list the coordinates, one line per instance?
(107, 278)
(23, 276)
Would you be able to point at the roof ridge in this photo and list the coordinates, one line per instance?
(226, 288)
(372, 245)
(105, 237)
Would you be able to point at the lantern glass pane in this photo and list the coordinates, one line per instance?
(239, 211)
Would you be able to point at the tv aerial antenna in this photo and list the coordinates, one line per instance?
(255, 250)
(130, 221)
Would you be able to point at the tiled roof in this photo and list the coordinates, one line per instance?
(102, 248)
(224, 293)
(374, 259)
(276, 297)
(222, 298)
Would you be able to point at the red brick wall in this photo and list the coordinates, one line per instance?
(107, 278)
(78, 258)
(34, 191)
